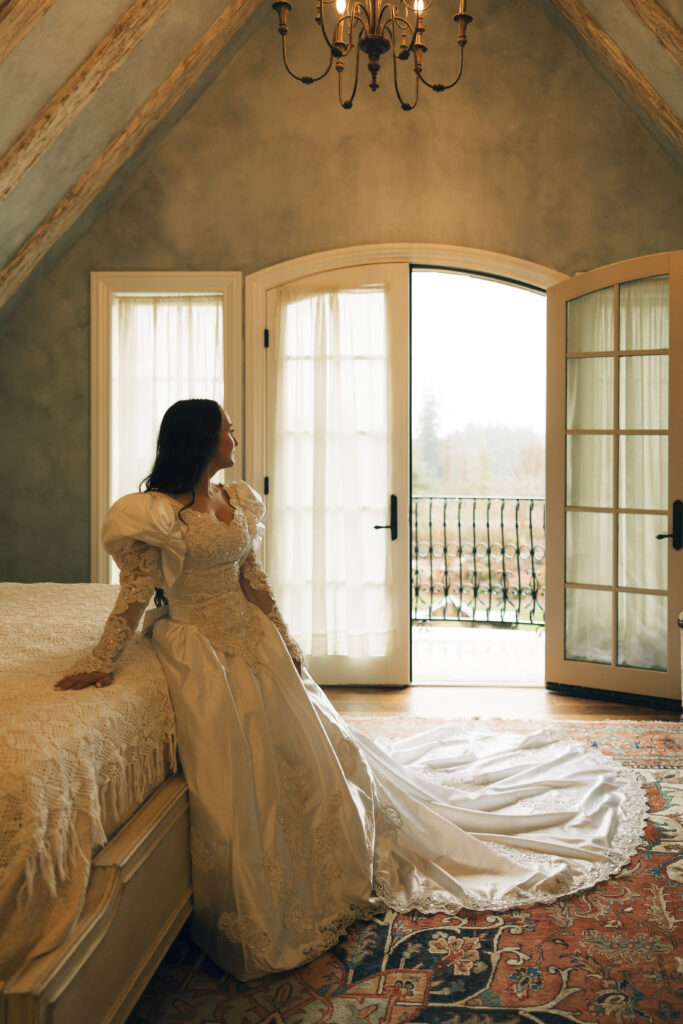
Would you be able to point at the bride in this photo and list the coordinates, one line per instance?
(299, 823)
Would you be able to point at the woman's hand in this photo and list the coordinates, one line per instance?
(80, 680)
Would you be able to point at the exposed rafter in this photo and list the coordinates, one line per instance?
(616, 61)
(68, 102)
(17, 18)
(100, 172)
(662, 26)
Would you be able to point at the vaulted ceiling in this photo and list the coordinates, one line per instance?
(89, 88)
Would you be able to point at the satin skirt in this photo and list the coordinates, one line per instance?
(301, 825)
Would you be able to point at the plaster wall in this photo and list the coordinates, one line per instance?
(532, 155)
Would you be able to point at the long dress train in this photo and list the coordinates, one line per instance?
(301, 824)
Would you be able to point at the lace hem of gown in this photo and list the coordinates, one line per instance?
(331, 930)
(432, 900)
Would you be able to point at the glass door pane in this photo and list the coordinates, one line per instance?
(612, 577)
(642, 402)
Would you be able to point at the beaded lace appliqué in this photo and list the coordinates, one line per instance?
(349, 756)
(255, 575)
(243, 930)
(140, 567)
(311, 857)
(326, 869)
(203, 858)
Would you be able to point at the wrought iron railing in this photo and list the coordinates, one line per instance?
(478, 559)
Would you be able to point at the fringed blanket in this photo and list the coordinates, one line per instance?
(73, 765)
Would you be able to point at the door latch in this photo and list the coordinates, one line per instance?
(393, 512)
(677, 527)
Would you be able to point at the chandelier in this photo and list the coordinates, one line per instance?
(374, 27)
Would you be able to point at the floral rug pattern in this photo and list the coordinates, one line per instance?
(612, 954)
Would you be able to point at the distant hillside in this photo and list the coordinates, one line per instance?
(486, 460)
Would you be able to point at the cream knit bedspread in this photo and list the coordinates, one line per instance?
(73, 765)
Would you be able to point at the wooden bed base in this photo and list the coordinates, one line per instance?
(138, 898)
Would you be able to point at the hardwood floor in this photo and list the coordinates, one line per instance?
(480, 702)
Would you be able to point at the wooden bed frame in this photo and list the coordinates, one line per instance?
(138, 898)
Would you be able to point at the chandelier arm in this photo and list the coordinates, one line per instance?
(321, 21)
(361, 18)
(390, 31)
(392, 14)
(437, 87)
(404, 105)
(347, 104)
(306, 79)
(403, 22)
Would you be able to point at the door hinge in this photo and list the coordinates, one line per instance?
(266, 485)
(266, 338)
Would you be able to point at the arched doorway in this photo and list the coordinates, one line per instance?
(261, 389)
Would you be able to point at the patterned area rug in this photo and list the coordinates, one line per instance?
(609, 954)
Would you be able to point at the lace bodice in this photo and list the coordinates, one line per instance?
(208, 592)
(200, 562)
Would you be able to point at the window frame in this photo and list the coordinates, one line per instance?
(104, 286)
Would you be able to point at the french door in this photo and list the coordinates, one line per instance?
(615, 478)
(337, 469)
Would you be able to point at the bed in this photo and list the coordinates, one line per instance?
(94, 852)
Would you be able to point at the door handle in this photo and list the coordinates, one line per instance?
(393, 525)
(677, 527)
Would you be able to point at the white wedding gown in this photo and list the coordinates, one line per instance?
(299, 823)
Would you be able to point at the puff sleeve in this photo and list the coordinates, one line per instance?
(255, 581)
(142, 534)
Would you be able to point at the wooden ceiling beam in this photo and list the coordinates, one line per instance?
(17, 18)
(616, 61)
(661, 24)
(76, 93)
(102, 170)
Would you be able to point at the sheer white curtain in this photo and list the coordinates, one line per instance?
(643, 471)
(164, 348)
(644, 313)
(329, 471)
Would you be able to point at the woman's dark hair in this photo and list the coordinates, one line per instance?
(188, 436)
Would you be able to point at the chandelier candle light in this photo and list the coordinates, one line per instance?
(375, 27)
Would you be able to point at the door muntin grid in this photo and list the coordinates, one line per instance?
(616, 446)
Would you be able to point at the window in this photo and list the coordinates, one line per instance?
(156, 338)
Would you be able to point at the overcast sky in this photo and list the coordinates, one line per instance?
(479, 346)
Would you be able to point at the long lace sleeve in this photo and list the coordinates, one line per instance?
(257, 582)
(140, 568)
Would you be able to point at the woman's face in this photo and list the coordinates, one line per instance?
(227, 442)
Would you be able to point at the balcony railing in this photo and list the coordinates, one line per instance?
(479, 559)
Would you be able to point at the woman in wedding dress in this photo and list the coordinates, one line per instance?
(299, 823)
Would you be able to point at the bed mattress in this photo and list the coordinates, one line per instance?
(74, 765)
